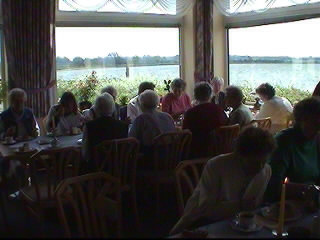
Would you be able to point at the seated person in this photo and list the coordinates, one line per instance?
(202, 119)
(297, 153)
(232, 182)
(177, 102)
(151, 123)
(105, 127)
(64, 116)
(219, 96)
(18, 121)
(279, 109)
(240, 114)
(133, 108)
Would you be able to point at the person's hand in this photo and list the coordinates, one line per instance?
(11, 132)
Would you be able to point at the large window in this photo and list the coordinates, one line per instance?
(123, 57)
(287, 55)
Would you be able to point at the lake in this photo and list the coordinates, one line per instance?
(302, 76)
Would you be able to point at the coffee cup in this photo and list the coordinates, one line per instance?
(246, 219)
(8, 139)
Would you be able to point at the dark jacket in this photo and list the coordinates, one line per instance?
(221, 99)
(9, 120)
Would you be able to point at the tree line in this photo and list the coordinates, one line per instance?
(249, 59)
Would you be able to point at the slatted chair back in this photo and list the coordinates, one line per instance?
(187, 176)
(171, 148)
(223, 139)
(264, 123)
(90, 205)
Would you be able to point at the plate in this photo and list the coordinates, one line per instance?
(6, 143)
(29, 151)
(235, 226)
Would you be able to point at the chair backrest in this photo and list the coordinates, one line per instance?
(264, 123)
(171, 148)
(89, 203)
(118, 158)
(42, 125)
(223, 139)
(187, 176)
(49, 167)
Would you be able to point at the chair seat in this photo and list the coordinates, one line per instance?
(156, 176)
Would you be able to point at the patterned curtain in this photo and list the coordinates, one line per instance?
(204, 40)
(29, 34)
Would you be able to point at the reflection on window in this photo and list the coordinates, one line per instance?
(286, 55)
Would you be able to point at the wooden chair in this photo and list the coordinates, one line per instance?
(223, 139)
(42, 125)
(187, 176)
(91, 204)
(47, 169)
(169, 150)
(119, 159)
(264, 123)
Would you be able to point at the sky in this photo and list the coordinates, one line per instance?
(294, 39)
(100, 41)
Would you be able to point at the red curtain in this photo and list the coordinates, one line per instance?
(204, 40)
(29, 34)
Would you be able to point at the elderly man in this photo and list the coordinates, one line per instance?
(231, 183)
(18, 121)
(218, 96)
(240, 114)
(105, 127)
(202, 119)
(151, 122)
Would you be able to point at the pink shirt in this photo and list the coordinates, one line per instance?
(173, 105)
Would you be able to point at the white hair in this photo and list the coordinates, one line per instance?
(104, 105)
(219, 80)
(109, 89)
(149, 100)
(16, 92)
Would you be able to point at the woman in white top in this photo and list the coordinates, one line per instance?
(231, 183)
(65, 115)
(278, 108)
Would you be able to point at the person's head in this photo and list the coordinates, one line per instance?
(234, 96)
(149, 100)
(17, 99)
(104, 105)
(145, 86)
(111, 90)
(306, 115)
(69, 102)
(178, 86)
(203, 92)
(265, 91)
(217, 84)
(254, 147)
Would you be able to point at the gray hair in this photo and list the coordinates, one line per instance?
(109, 89)
(234, 92)
(218, 80)
(104, 105)
(178, 83)
(149, 100)
(16, 92)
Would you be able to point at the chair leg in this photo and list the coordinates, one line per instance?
(135, 208)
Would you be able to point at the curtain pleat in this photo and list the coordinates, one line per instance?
(29, 36)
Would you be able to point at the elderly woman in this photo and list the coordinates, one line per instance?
(202, 119)
(177, 102)
(240, 113)
(151, 122)
(18, 121)
(297, 153)
(64, 116)
(218, 96)
(105, 127)
(231, 183)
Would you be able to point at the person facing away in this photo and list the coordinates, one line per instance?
(18, 121)
(279, 109)
(64, 115)
(176, 102)
(151, 122)
(240, 113)
(202, 119)
(218, 95)
(230, 183)
(297, 153)
(104, 127)
(133, 108)
(91, 113)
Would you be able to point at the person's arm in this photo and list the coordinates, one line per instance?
(49, 119)
(265, 111)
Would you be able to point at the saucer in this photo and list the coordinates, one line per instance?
(235, 226)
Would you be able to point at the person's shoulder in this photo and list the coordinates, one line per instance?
(164, 115)
(168, 96)
(286, 135)
(221, 161)
(186, 96)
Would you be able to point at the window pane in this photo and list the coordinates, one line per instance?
(122, 57)
(285, 55)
